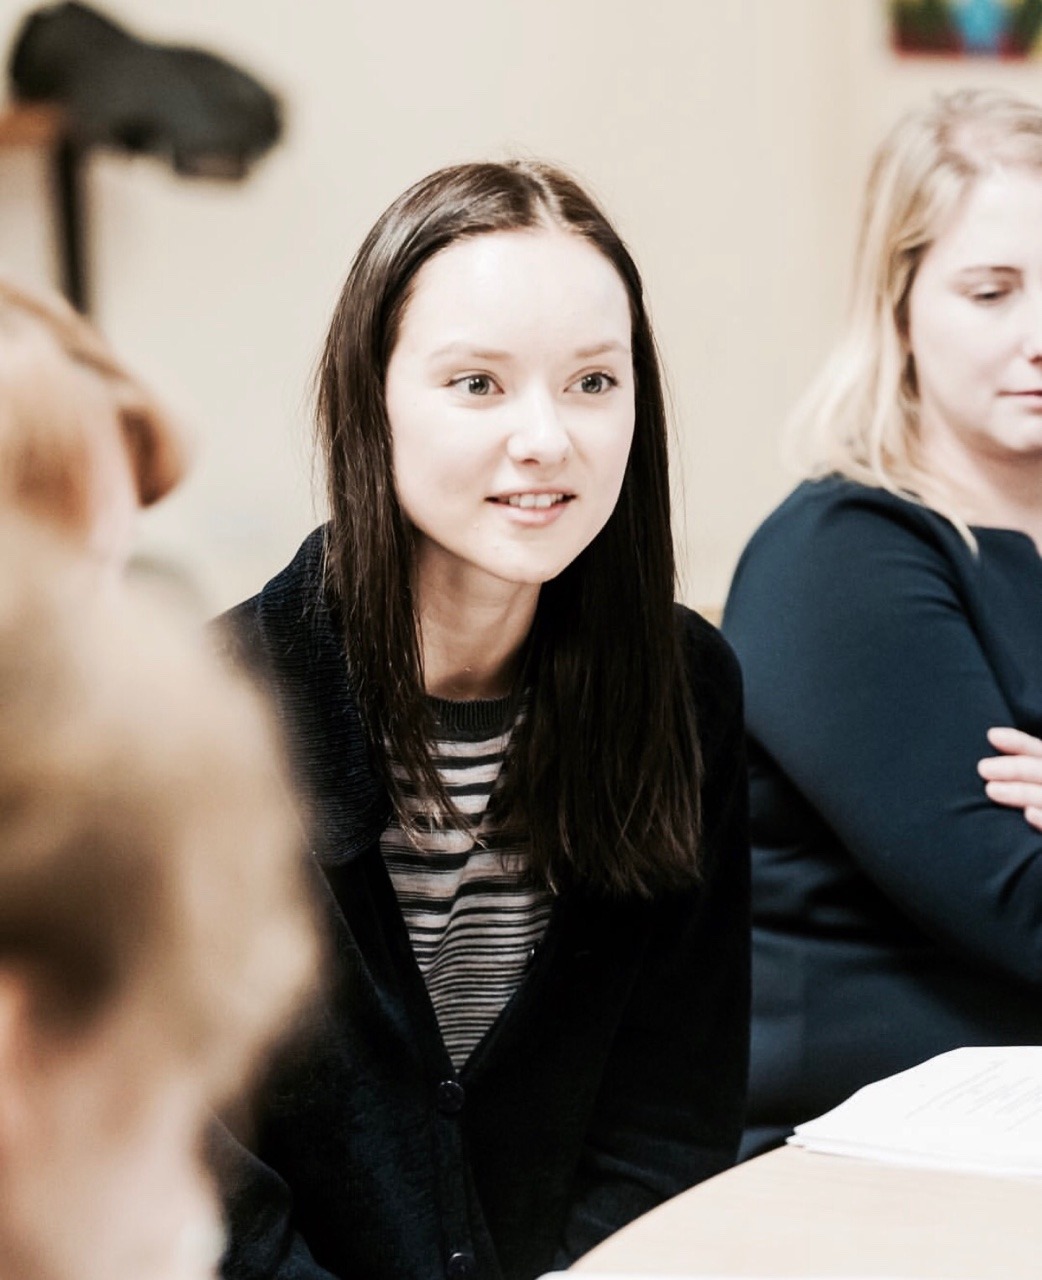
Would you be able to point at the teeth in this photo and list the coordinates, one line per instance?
(540, 500)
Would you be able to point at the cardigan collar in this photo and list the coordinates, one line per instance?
(305, 652)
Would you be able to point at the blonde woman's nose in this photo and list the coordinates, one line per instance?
(1032, 340)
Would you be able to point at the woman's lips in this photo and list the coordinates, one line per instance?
(529, 499)
(533, 509)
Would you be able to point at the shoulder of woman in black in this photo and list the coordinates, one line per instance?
(829, 515)
(264, 632)
(288, 637)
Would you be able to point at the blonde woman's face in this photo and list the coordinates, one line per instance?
(975, 332)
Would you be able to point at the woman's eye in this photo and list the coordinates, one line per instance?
(596, 384)
(987, 296)
(476, 384)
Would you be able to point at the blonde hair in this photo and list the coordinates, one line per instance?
(860, 417)
(61, 390)
(150, 853)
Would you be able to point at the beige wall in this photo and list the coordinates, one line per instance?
(727, 137)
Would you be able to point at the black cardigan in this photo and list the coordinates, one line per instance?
(897, 910)
(614, 1078)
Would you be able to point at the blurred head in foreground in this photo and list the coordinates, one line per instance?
(156, 933)
(82, 445)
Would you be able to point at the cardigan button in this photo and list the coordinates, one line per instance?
(461, 1267)
(449, 1098)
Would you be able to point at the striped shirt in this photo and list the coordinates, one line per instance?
(473, 920)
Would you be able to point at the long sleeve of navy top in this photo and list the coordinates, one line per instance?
(897, 910)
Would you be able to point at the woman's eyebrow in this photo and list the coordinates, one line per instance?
(604, 348)
(988, 268)
(461, 348)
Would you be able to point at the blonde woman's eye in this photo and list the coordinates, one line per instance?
(596, 384)
(987, 296)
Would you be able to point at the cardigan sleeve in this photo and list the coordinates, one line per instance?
(669, 1108)
(868, 686)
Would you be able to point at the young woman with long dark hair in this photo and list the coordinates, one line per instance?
(524, 764)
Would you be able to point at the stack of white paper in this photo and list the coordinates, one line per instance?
(973, 1110)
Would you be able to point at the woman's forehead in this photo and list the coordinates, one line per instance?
(503, 286)
(997, 221)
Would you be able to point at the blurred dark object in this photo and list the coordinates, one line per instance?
(103, 87)
(205, 116)
(967, 28)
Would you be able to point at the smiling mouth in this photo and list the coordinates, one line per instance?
(534, 501)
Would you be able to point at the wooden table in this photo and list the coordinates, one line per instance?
(793, 1213)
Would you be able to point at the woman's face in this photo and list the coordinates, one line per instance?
(101, 1173)
(511, 403)
(975, 330)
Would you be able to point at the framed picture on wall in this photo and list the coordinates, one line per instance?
(967, 28)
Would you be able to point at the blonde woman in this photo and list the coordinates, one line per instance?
(156, 934)
(888, 617)
(82, 444)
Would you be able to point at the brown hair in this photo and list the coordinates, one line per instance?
(603, 773)
(149, 847)
(60, 388)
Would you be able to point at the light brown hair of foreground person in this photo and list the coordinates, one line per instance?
(156, 930)
(82, 443)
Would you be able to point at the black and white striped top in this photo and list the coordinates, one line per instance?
(472, 919)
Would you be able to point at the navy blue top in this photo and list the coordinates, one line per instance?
(897, 911)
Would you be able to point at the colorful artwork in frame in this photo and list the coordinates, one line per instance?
(967, 28)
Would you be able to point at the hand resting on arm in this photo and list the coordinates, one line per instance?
(1014, 778)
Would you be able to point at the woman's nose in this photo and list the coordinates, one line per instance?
(1032, 341)
(539, 436)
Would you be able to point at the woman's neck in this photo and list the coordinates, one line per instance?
(994, 492)
(471, 634)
